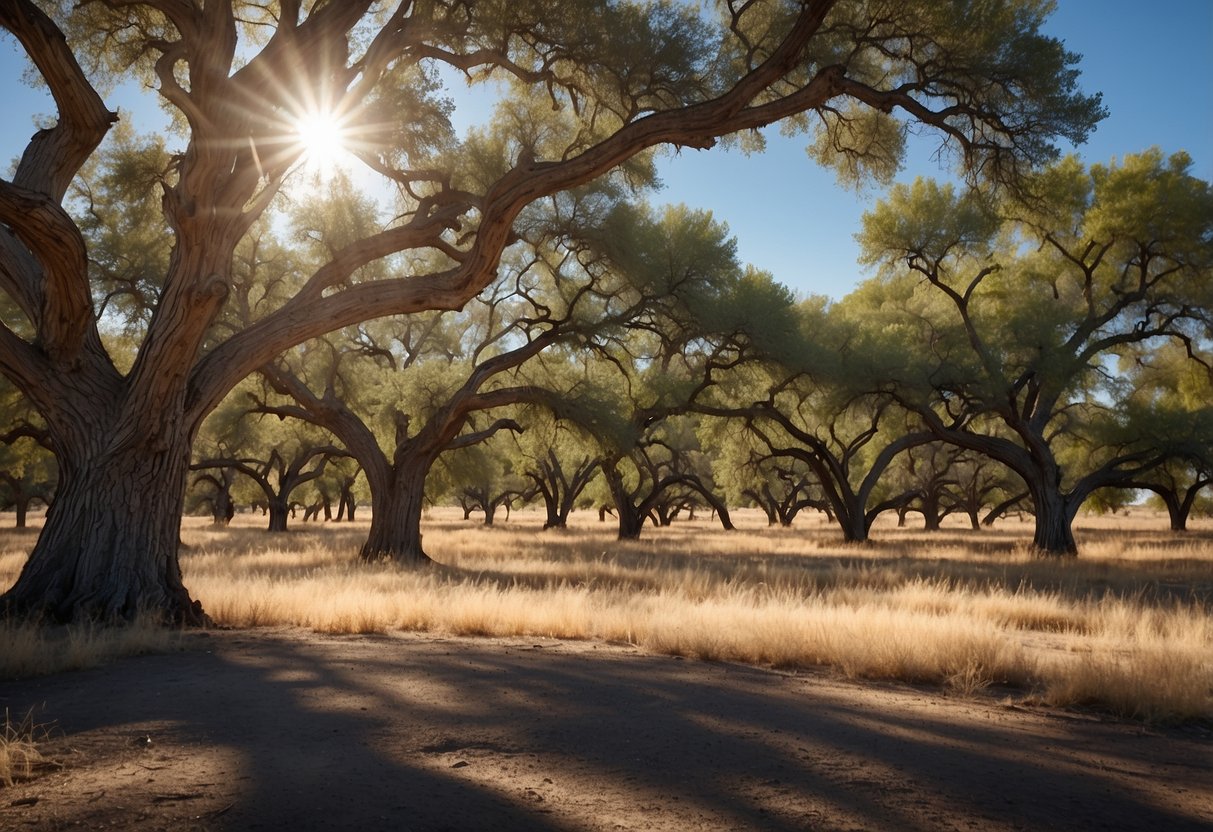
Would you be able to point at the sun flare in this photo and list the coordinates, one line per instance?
(324, 141)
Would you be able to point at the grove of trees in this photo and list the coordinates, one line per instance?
(509, 318)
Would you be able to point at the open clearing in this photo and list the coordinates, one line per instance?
(363, 702)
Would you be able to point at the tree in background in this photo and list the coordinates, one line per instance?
(594, 86)
(1172, 394)
(558, 461)
(748, 472)
(28, 472)
(276, 455)
(811, 393)
(482, 478)
(1010, 314)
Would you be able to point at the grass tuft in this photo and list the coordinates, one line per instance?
(19, 754)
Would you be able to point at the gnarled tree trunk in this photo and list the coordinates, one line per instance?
(397, 501)
(853, 522)
(108, 550)
(279, 512)
(1054, 534)
(631, 517)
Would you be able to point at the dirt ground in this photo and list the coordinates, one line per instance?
(293, 730)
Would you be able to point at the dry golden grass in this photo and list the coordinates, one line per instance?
(31, 650)
(1127, 627)
(19, 754)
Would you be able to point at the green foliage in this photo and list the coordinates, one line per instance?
(1017, 313)
(119, 195)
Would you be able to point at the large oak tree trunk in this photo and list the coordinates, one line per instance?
(1054, 534)
(1178, 514)
(931, 520)
(553, 520)
(108, 550)
(850, 517)
(396, 514)
(854, 527)
(631, 516)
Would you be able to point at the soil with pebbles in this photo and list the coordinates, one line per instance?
(287, 729)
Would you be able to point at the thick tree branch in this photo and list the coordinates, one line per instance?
(54, 156)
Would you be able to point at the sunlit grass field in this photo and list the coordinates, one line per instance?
(1125, 628)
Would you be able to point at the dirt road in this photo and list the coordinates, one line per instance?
(291, 730)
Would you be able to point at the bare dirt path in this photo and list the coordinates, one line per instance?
(291, 730)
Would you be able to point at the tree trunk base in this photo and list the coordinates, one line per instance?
(106, 606)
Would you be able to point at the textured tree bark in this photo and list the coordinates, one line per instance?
(553, 520)
(930, 511)
(279, 512)
(1054, 535)
(631, 517)
(108, 551)
(395, 531)
(631, 521)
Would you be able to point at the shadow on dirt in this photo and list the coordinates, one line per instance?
(405, 732)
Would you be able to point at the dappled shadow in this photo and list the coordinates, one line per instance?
(420, 733)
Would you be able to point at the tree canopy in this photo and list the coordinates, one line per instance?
(587, 90)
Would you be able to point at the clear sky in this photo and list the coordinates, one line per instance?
(1153, 63)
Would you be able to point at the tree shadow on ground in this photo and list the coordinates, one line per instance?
(428, 734)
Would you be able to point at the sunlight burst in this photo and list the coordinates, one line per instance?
(324, 140)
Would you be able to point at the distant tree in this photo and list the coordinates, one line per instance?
(1172, 395)
(1009, 315)
(481, 478)
(566, 283)
(980, 484)
(713, 313)
(213, 489)
(655, 475)
(293, 458)
(814, 396)
(27, 475)
(28, 471)
(558, 462)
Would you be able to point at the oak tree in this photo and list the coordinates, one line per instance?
(1011, 316)
(587, 88)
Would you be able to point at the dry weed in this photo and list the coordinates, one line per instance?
(33, 650)
(19, 754)
(1125, 627)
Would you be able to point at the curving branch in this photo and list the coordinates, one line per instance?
(55, 155)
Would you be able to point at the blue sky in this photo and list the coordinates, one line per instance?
(1153, 63)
